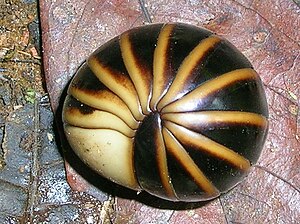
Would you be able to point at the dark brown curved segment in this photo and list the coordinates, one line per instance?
(74, 106)
(151, 164)
(202, 143)
(86, 81)
(108, 66)
(162, 165)
(189, 69)
(199, 98)
(242, 131)
(174, 44)
(86, 88)
(137, 47)
(205, 187)
(200, 66)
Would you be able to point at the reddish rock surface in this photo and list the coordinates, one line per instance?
(267, 32)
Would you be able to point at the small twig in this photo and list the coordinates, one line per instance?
(2, 77)
(29, 55)
(277, 176)
(145, 11)
(253, 198)
(25, 53)
(31, 61)
(105, 210)
(35, 165)
(224, 210)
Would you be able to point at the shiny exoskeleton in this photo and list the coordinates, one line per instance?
(171, 109)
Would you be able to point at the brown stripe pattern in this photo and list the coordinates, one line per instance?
(171, 109)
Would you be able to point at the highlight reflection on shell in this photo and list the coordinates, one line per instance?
(171, 109)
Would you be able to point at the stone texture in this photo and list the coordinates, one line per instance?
(263, 30)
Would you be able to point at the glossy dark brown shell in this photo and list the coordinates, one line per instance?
(171, 109)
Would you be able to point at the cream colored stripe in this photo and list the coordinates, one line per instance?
(121, 86)
(207, 118)
(207, 145)
(141, 81)
(162, 164)
(160, 79)
(187, 163)
(106, 101)
(96, 120)
(189, 101)
(187, 66)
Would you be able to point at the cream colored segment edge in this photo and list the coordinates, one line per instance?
(188, 64)
(187, 102)
(205, 118)
(108, 152)
(142, 86)
(115, 106)
(97, 120)
(189, 165)
(159, 62)
(207, 145)
(125, 90)
(163, 164)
